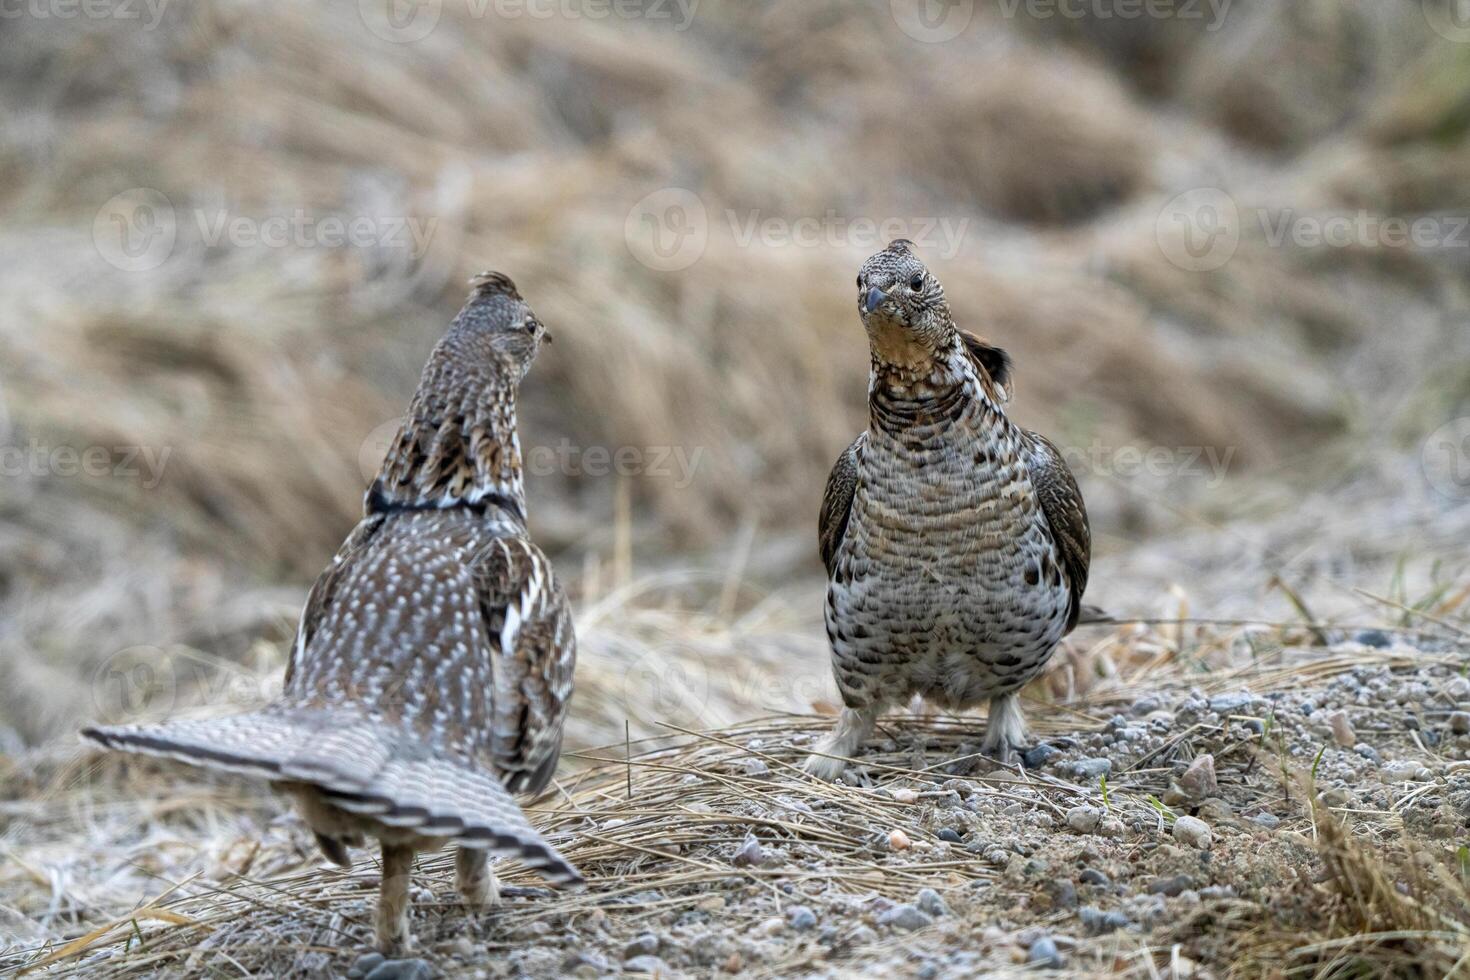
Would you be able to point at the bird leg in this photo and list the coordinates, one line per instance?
(335, 850)
(853, 727)
(392, 920)
(473, 878)
(1005, 729)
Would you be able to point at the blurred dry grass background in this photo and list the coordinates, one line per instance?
(524, 144)
(237, 391)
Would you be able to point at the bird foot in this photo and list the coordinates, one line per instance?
(825, 767)
(476, 883)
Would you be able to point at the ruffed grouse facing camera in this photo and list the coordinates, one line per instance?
(431, 671)
(956, 543)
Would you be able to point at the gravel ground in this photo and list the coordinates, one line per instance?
(1167, 831)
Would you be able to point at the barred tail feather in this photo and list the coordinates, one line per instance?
(360, 769)
(440, 797)
(334, 750)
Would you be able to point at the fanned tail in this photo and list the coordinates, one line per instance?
(358, 768)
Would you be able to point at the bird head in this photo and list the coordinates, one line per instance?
(902, 306)
(496, 319)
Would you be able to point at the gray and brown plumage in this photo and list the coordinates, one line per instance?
(956, 543)
(431, 671)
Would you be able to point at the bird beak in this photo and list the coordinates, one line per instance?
(874, 299)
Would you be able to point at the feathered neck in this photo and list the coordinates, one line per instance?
(939, 387)
(458, 446)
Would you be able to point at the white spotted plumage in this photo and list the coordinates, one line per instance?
(430, 675)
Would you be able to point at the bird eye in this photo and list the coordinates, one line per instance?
(917, 282)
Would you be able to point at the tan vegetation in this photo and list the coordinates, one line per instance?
(257, 376)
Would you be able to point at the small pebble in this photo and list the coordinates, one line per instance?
(1193, 831)
(586, 963)
(1084, 819)
(757, 767)
(898, 840)
(646, 964)
(1226, 704)
(1092, 876)
(1044, 952)
(905, 795)
(1038, 756)
(750, 854)
(1092, 769)
(1143, 706)
(1199, 779)
(930, 903)
(950, 835)
(1373, 638)
(1460, 722)
(1098, 923)
(905, 918)
(1171, 886)
(1063, 893)
(801, 918)
(646, 944)
(364, 965)
(1342, 731)
(1267, 820)
(1366, 751)
(401, 970)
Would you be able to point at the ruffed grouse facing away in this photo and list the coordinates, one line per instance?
(956, 543)
(431, 672)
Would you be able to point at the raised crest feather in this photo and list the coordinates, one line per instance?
(494, 284)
